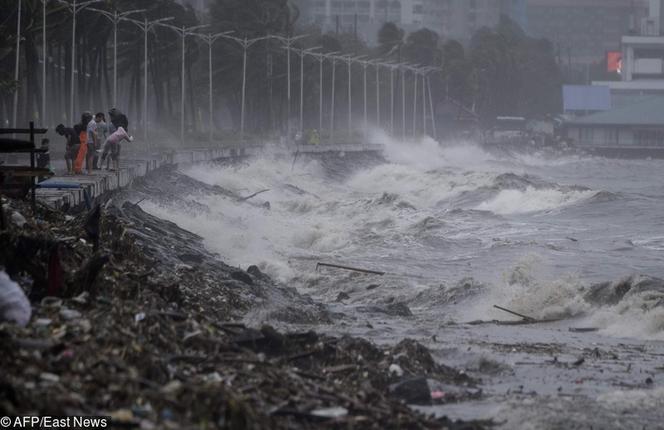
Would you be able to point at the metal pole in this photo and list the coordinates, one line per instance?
(334, 69)
(301, 94)
(210, 41)
(378, 95)
(415, 105)
(366, 119)
(433, 116)
(424, 106)
(403, 104)
(43, 111)
(115, 59)
(73, 62)
(18, 59)
(146, 28)
(244, 86)
(184, 35)
(320, 94)
(392, 101)
(288, 74)
(350, 102)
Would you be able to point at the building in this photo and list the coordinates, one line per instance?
(451, 19)
(637, 126)
(583, 31)
(642, 64)
(460, 19)
(517, 11)
(362, 17)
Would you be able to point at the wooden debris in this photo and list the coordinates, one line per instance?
(253, 195)
(353, 269)
(525, 317)
(583, 329)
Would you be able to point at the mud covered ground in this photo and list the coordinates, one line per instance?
(134, 319)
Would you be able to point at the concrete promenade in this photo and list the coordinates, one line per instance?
(69, 191)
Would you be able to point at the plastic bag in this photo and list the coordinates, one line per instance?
(14, 305)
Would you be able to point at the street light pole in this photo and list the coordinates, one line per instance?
(334, 69)
(210, 39)
(349, 61)
(302, 53)
(365, 64)
(288, 43)
(245, 44)
(146, 26)
(415, 103)
(321, 58)
(403, 103)
(433, 116)
(424, 104)
(74, 8)
(115, 19)
(392, 100)
(17, 65)
(377, 65)
(183, 32)
(43, 111)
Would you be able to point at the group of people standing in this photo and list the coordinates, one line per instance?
(94, 135)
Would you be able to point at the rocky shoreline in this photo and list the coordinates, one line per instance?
(134, 319)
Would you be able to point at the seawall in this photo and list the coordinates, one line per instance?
(63, 191)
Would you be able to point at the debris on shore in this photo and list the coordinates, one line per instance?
(138, 324)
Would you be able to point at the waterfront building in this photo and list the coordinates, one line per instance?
(636, 126)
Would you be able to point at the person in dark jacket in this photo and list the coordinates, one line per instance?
(73, 145)
(119, 119)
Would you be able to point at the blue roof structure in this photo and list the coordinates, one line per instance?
(649, 112)
(586, 98)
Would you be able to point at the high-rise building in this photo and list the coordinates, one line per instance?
(460, 19)
(363, 17)
(582, 31)
(455, 19)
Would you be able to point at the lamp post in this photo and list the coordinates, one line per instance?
(245, 44)
(146, 26)
(302, 53)
(377, 65)
(321, 57)
(431, 105)
(18, 58)
(392, 67)
(415, 73)
(365, 64)
(74, 8)
(424, 103)
(334, 69)
(183, 32)
(210, 39)
(43, 110)
(403, 102)
(115, 19)
(288, 43)
(349, 62)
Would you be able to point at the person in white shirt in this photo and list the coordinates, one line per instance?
(93, 142)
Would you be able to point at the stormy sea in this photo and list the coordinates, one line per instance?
(572, 243)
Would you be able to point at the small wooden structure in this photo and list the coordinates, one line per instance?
(25, 174)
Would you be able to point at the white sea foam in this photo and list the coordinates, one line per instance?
(532, 200)
(394, 210)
